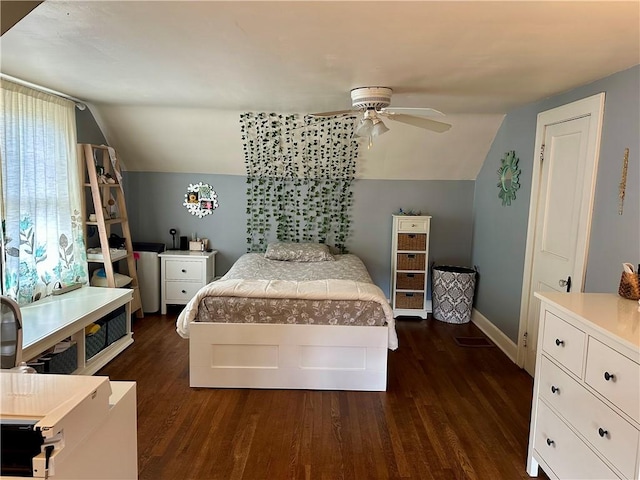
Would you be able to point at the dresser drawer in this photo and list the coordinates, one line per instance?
(183, 270)
(564, 342)
(410, 281)
(590, 416)
(413, 225)
(614, 376)
(181, 292)
(567, 456)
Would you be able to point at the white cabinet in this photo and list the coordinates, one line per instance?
(183, 274)
(410, 265)
(585, 417)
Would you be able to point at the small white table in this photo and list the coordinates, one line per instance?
(55, 318)
(183, 273)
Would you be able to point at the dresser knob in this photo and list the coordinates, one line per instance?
(602, 432)
(559, 342)
(609, 376)
(184, 291)
(550, 442)
(554, 389)
(184, 271)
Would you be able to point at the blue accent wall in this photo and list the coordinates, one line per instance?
(499, 233)
(154, 203)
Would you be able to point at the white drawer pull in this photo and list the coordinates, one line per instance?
(603, 433)
(559, 342)
(550, 442)
(555, 389)
(609, 376)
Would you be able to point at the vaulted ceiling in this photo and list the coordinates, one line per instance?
(166, 80)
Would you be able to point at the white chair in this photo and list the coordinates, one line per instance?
(10, 333)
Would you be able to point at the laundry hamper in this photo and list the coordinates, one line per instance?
(452, 297)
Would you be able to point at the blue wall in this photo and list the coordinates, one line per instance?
(499, 233)
(154, 203)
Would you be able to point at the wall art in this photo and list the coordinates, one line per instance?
(509, 178)
(200, 199)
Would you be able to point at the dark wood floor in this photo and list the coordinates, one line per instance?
(450, 412)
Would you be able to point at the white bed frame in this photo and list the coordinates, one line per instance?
(314, 357)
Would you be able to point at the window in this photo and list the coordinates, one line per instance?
(42, 239)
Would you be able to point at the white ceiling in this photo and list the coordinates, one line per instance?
(151, 70)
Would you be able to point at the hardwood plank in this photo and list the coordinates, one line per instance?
(450, 412)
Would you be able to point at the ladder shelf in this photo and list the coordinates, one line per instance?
(101, 165)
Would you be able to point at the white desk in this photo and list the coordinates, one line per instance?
(89, 421)
(55, 318)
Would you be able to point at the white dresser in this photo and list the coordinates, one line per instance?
(183, 273)
(585, 416)
(410, 265)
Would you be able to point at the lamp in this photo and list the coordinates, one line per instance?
(370, 126)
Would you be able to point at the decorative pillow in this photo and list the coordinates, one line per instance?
(298, 252)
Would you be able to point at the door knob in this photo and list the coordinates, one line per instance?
(565, 283)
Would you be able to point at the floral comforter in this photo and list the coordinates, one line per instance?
(258, 290)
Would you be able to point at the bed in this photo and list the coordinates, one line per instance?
(295, 317)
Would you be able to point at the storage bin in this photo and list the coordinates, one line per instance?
(410, 281)
(410, 300)
(64, 362)
(412, 241)
(95, 342)
(453, 289)
(411, 261)
(116, 323)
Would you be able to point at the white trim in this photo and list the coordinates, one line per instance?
(592, 106)
(503, 342)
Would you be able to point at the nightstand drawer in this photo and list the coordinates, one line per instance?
(412, 241)
(413, 225)
(181, 292)
(183, 270)
(567, 456)
(563, 342)
(615, 377)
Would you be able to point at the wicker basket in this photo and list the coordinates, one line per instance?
(629, 286)
(413, 300)
(410, 281)
(411, 261)
(95, 342)
(117, 326)
(412, 241)
(61, 363)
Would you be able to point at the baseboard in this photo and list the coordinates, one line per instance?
(503, 342)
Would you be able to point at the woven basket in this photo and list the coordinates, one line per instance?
(411, 261)
(410, 281)
(412, 241)
(410, 300)
(629, 286)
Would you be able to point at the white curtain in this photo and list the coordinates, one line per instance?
(42, 234)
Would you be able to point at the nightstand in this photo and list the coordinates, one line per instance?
(183, 273)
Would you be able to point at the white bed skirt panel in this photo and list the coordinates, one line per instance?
(314, 357)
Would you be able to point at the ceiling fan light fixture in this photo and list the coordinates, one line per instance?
(378, 128)
(364, 128)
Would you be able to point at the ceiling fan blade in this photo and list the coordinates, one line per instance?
(426, 123)
(334, 114)
(427, 112)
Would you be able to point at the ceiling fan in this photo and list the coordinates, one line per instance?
(373, 104)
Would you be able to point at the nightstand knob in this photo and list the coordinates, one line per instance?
(550, 442)
(602, 432)
(184, 291)
(184, 271)
(559, 342)
(554, 389)
(609, 376)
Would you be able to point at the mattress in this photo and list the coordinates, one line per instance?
(259, 290)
